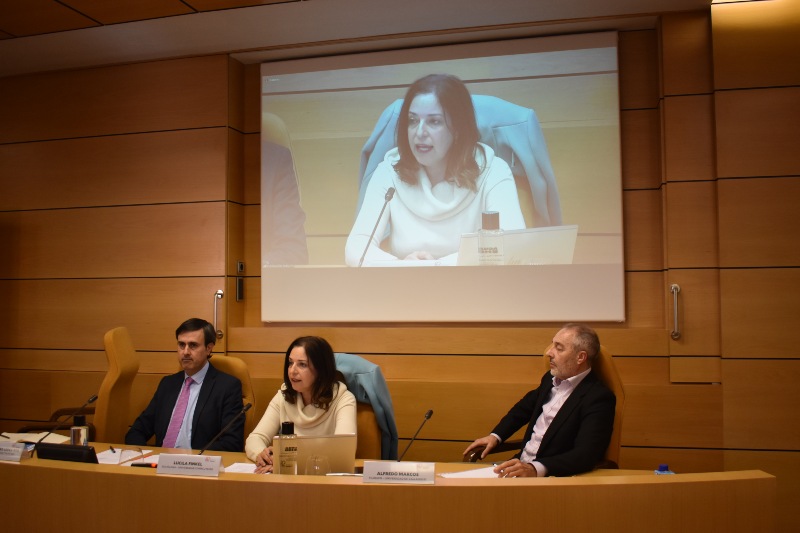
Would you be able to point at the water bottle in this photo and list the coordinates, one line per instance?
(288, 444)
(663, 469)
(79, 432)
(490, 240)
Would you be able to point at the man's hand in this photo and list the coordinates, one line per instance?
(515, 468)
(489, 441)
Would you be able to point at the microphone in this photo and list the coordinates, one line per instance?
(428, 415)
(61, 424)
(387, 198)
(227, 427)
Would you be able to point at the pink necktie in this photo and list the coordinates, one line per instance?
(177, 416)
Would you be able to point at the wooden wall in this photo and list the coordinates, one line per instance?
(130, 192)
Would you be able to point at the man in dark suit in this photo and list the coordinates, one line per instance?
(570, 416)
(191, 407)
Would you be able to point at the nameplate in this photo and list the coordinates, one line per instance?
(11, 451)
(398, 472)
(189, 465)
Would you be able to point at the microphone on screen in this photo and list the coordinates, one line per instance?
(227, 427)
(387, 198)
(61, 424)
(428, 415)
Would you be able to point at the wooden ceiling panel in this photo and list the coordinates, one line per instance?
(212, 5)
(22, 18)
(116, 11)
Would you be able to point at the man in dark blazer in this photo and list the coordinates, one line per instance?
(212, 399)
(570, 416)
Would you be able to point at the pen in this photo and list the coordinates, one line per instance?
(4, 436)
(112, 449)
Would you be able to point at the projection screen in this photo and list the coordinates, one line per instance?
(548, 111)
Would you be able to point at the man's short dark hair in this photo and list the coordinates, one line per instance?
(196, 324)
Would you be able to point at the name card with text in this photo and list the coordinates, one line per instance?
(189, 465)
(11, 451)
(398, 472)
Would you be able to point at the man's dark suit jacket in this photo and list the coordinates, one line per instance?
(578, 437)
(220, 400)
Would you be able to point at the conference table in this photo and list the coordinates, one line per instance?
(59, 496)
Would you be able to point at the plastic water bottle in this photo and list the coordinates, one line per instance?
(490, 240)
(288, 444)
(663, 469)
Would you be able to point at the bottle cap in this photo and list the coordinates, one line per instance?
(663, 468)
(79, 420)
(287, 428)
(490, 220)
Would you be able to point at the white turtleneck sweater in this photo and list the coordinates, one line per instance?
(339, 418)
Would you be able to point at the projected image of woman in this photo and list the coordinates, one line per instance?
(443, 180)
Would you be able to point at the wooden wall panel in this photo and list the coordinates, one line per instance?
(686, 53)
(692, 236)
(640, 130)
(759, 312)
(144, 97)
(681, 461)
(689, 138)
(638, 70)
(644, 303)
(761, 399)
(785, 466)
(161, 167)
(75, 314)
(130, 241)
(754, 42)
(695, 369)
(758, 223)
(757, 132)
(436, 339)
(684, 416)
(644, 230)
(34, 395)
(698, 311)
(235, 167)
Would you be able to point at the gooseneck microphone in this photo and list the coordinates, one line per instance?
(227, 427)
(428, 415)
(61, 424)
(387, 198)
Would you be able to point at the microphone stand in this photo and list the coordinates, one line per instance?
(387, 198)
(226, 428)
(428, 415)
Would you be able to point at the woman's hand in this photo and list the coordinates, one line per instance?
(419, 255)
(264, 461)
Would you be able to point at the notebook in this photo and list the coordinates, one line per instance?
(549, 245)
(339, 449)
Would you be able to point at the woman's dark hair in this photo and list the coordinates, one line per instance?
(320, 356)
(459, 115)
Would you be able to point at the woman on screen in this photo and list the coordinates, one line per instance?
(443, 179)
(310, 397)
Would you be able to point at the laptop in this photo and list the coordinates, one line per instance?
(549, 245)
(339, 449)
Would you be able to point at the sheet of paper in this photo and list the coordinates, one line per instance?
(487, 472)
(242, 468)
(52, 438)
(121, 455)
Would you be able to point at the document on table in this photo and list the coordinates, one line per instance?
(476, 473)
(124, 456)
(52, 438)
(242, 468)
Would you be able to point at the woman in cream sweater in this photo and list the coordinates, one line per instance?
(310, 397)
